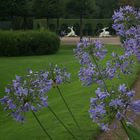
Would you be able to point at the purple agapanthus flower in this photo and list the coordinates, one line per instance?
(88, 75)
(26, 93)
(122, 16)
(86, 48)
(59, 75)
(119, 116)
(101, 95)
(115, 105)
(92, 71)
(127, 25)
(111, 103)
(120, 64)
(104, 127)
(135, 106)
(122, 88)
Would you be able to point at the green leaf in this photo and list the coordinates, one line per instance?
(134, 132)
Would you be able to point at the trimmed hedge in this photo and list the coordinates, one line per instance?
(5, 25)
(90, 26)
(20, 43)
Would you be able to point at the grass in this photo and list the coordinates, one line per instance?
(76, 96)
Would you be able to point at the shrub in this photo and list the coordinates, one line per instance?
(18, 43)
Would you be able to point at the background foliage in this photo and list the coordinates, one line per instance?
(22, 12)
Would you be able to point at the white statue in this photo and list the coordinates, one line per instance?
(104, 33)
(72, 32)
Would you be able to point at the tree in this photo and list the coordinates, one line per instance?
(105, 8)
(3, 9)
(25, 11)
(81, 8)
(58, 12)
(44, 8)
(49, 9)
(11, 9)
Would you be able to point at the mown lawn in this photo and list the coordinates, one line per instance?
(76, 96)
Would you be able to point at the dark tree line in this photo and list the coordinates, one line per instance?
(11, 9)
(81, 8)
(61, 8)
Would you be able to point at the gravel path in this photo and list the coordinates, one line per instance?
(105, 40)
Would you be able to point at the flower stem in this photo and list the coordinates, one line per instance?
(68, 108)
(100, 73)
(41, 125)
(124, 127)
(62, 123)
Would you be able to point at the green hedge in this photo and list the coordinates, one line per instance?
(90, 26)
(5, 25)
(19, 43)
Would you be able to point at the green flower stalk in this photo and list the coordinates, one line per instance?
(42, 127)
(60, 76)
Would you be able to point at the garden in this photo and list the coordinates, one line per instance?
(76, 96)
(55, 91)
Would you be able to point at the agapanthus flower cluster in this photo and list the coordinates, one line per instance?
(110, 104)
(124, 19)
(59, 75)
(29, 93)
(88, 53)
(119, 64)
(92, 71)
(26, 94)
(132, 42)
(115, 104)
(86, 48)
(89, 75)
(127, 25)
(107, 104)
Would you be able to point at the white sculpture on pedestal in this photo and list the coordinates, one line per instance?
(104, 33)
(72, 32)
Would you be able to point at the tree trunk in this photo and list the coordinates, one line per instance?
(12, 22)
(81, 26)
(47, 22)
(24, 23)
(57, 25)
